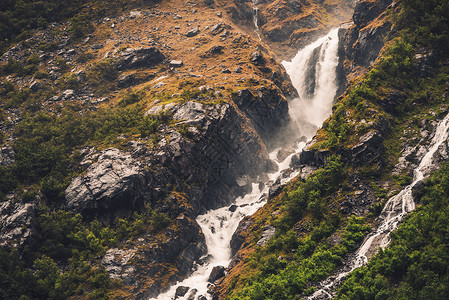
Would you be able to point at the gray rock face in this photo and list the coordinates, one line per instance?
(268, 233)
(176, 251)
(268, 110)
(238, 237)
(108, 187)
(7, 156)
(216, 273)
(17, 222)
(363, 44)
(115, 262)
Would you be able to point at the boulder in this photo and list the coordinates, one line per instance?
(176, 63)
(133, 58)
(268, 233)
(193, 32)
(110, 186)
(238, 237)
(181, 291)
(216, 273)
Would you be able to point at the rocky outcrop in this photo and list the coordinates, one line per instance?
(139, 58)
(366, 38)
(17, 223)
(168, 256)
(238, 237)
(110, 187)
(268, 110)
(161, 261)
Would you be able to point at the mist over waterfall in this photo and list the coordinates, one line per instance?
(313, 72)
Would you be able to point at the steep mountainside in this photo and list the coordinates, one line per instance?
(116, 133)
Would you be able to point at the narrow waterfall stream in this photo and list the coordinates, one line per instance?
(256, 18)
(314, 66)
(396, 208)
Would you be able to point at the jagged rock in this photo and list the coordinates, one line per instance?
(7, 156)
(109, 186)
(67, 94)
(363, 44)
(274, 189)
(257, 58)
(181, 291)
(35, 85)
(215, 50)
(313, 158)
(17, 221)
(268, 110)
(268, 233)
(176, 63)
(283, 153)
(216, 273)
(193, 32)
(115, 260)
(238, 236)
(139, 58)
(366, 11)
(369, 148)
(192, 112)
(177, 252)
(216, 29)
(418, 190)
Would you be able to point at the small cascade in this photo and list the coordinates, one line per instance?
(396, 208)
(218, 225)
(256, 18)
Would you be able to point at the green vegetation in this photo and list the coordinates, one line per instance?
(67, 241)
(45, 143)
(17, 18)
(275, 273)
(416, 263)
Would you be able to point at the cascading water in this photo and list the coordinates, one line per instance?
(313, 73)
(394, 211)
(256, 18)
(218, 225)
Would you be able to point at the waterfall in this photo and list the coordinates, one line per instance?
(394, 211)
(256, 18)
(308, 112)
(313, 72)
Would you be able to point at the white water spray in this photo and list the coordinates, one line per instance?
(396, 208)
(218, 225)
(313, 73)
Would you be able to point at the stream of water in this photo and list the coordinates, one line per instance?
(396, 208)
(256, 18)
(319, 60)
